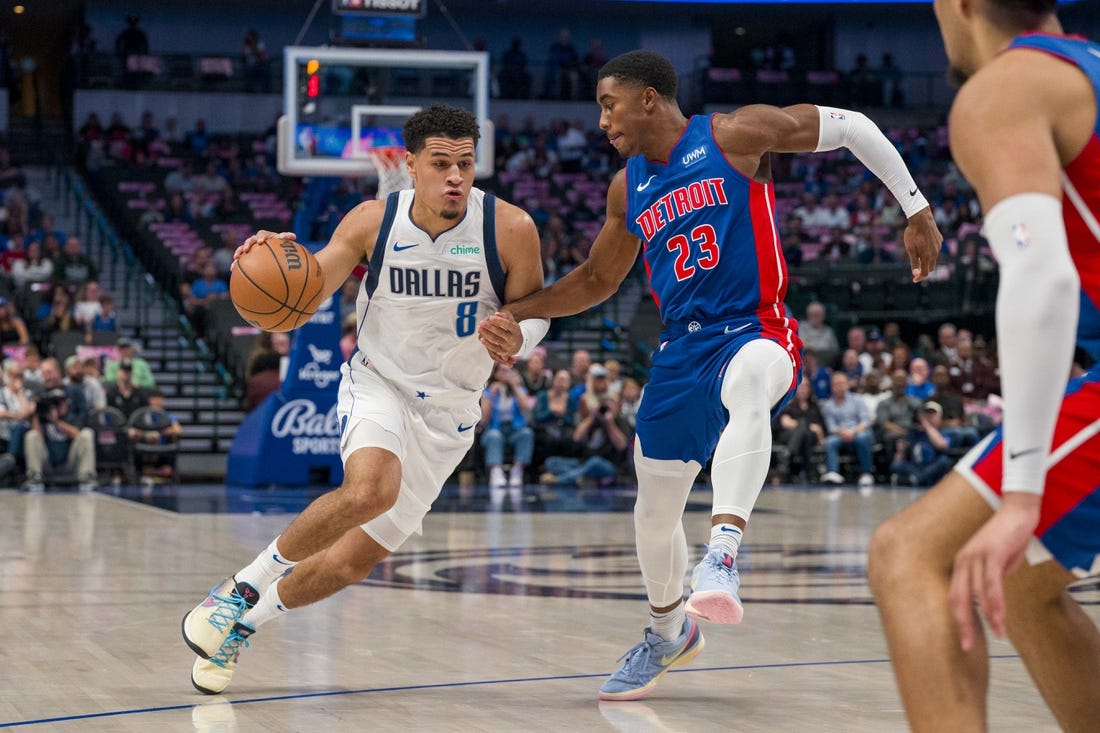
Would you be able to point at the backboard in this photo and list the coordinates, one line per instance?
(341, 102)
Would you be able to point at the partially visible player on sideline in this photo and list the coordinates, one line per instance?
(698, 193)
(1019, 519)
(441, 256)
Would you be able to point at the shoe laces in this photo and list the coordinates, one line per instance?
(228, 610)
(229, 650)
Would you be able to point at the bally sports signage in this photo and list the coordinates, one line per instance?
(293, 437)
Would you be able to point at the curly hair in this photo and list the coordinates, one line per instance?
(439, 120)
(644, 68)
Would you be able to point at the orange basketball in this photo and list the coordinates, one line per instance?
(277, 285)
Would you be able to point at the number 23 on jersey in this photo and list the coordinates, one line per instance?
(701, 250)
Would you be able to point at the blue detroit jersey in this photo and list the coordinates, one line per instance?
(712, 247)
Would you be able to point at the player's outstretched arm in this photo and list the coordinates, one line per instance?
(752, 131)
(597, 278)
(1003, 139)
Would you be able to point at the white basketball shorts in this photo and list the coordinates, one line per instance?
(429, 434)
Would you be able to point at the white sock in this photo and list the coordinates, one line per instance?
(726, 537)
(268, 607)
(668, 625)
(268, 565)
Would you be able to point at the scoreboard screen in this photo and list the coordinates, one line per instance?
(411, 8)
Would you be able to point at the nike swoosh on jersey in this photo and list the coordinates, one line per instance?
(463, 428)
(913, 192)
(1094, 52)
(735, 330)
(643, 186)
(403, 247)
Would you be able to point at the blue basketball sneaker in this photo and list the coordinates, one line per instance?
(714, 584)
(647, 662)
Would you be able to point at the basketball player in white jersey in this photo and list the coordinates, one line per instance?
(442, 257)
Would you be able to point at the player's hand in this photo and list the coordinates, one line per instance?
(982, 564)
(255, 239)
(501, 337)
(922, 242)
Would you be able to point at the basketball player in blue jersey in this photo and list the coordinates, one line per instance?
(441, 257)
(1019, 519)
(697, 194)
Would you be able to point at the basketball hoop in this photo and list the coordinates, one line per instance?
(393, 174)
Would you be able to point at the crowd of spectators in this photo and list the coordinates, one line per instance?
(51, 303)
(902, 412)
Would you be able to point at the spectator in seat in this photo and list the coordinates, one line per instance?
(947, 350)
(554, 417)
(205, 291)
(55, 314)
(94, 394)
(817, 335)
(896, 415)
(32, 370)
(800, 428)
(923, 460)
(578, 370)
(181, 180)
(919, 384)
(123, 394)
(197, 140)
(53, 439)
(12, 328)
(107, 320)
(73, 268)
(35, 267)
(59, 432)
(141, 372)
(152, 465)
(87, 308)
(536, 377)
(16, 409)
(504, 409)
(847, 426)
(955, 426)
(599, 453)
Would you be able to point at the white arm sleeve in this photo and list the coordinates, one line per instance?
(842, 128)
(1037, 305)
(533, 330)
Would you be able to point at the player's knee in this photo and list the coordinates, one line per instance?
(371, 484)
(889, 553)
(370, 499)
(351, 570)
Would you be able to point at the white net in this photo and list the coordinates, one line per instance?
(393, 173)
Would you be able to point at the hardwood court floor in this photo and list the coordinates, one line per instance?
(492, 621)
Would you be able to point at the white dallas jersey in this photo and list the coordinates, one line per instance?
(422, 298)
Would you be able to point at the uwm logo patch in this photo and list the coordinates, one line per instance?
(694, 156)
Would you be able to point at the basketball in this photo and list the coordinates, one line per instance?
(276, 285)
